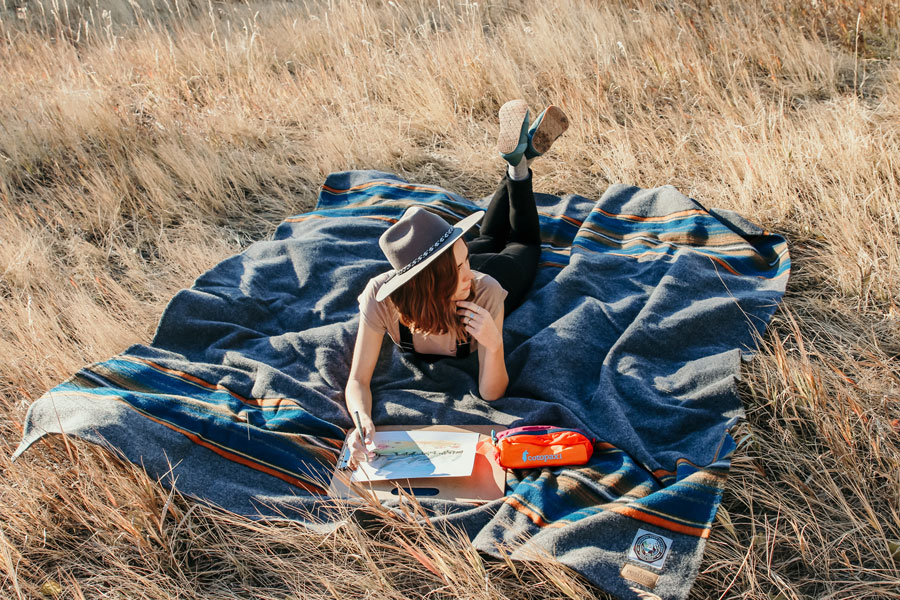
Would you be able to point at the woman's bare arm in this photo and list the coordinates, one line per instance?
(358, 393)
(488, 331)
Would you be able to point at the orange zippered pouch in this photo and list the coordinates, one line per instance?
(536, 446)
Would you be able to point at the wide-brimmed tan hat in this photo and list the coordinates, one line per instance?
(415, 240)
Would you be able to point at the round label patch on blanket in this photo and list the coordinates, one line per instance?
(649, 548)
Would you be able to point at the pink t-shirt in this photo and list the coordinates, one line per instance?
(382, 316)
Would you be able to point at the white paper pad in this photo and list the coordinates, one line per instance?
(413, 454)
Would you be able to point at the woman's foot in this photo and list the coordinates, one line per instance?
(549, 125)
(513, 141)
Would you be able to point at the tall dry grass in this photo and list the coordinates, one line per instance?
(143, 141)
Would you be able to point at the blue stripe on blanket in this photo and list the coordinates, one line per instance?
(612, 482)
(695, 230)
(288, 442)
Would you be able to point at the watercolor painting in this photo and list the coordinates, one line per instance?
(415, 454)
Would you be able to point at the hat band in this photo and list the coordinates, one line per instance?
(425, 254)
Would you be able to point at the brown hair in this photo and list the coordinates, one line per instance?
(424, 302)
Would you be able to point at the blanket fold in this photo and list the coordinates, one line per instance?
(644, 304)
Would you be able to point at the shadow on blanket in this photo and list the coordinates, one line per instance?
(634, 331)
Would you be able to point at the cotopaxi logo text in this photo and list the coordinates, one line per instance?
(540, 457)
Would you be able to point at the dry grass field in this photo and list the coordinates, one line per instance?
(142, 141)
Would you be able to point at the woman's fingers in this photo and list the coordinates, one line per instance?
(473, 316)
(478, 323)
(361, 450)
(466, 306)
(368, 434)
(470, 318)
(368, 430)
(470, 312)
(356, 446)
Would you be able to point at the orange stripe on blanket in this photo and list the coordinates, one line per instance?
(605, 446)
(251, 401)
(204, 384)
(666, 473)
(717, 260)
(575, 222)
(724, 264)
(302, 218)
(701, 532)
(680, 461)
(369, 184)
(224, 453)
(235, 457)
(536, 517)
(662, 219)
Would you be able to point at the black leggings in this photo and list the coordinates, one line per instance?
(509, 245)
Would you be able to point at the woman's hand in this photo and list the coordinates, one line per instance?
(480, 325)
(360, 452)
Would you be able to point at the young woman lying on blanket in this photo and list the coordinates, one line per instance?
(445, 297)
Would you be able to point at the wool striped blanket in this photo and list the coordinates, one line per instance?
(634, 331)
